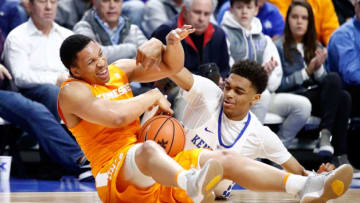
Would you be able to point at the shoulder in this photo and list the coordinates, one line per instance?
(271, 8)
(123, 66)
(19, 31)
(279, 43)
(163, 30)
(154, 4)
(262, 132)
(63, 30)
(82, 27)
(82, 23)
(346, 29)
(218, 30)
(74, 89)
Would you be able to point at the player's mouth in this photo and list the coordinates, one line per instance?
(103, 74)
(228, 104)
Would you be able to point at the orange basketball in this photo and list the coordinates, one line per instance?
(166, 131)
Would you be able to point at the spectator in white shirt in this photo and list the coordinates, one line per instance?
(31, 52)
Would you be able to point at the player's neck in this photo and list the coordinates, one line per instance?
(236, 117)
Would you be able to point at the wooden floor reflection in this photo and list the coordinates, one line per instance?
(243, 196)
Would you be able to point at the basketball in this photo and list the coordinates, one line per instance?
(166, 131)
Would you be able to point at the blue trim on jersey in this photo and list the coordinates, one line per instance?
(240, 134)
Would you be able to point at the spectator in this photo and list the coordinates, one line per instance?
(69, 12)
(269, 15)
(12, 14)
(117, 36)
(326, 21)
(247, 42)
(31, 53)
(344, 51)
(158, 12)
(207, 44)
(302, 60)
(344, 10)
(134, 10)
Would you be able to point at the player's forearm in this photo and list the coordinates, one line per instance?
(173, 57)
(131, 109)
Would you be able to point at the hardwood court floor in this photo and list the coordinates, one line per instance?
(245, 196)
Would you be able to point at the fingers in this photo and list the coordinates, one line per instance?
(139, 57)
(329, 166)
(175, 36)
(4, 73)
(321, 168)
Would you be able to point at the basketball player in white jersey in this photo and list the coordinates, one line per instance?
(219, 119)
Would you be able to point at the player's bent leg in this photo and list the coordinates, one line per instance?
(257, 176)
(149, 162)
(131, 173)
(152, 160)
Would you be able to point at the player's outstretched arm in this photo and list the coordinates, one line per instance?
(155, 61)
(183, 79)
(293, 166)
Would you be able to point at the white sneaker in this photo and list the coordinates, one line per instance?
(321, 187)
(201, 183)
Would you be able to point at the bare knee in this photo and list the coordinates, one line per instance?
(145, 153)
(225, 157)
(148, 149)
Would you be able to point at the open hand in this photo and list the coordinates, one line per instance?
(270, 65)
(175, 36)
(321, 53)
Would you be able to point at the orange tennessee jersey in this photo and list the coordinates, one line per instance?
(100, 143)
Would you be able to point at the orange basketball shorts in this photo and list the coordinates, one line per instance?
(106, 184)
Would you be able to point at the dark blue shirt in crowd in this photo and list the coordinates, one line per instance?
(12, 14)
(214, 47)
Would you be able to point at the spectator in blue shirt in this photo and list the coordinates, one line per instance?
(344, 52)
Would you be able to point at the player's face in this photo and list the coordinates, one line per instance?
(244, 12)
(109, 10)
(298, 22)
(43, 12)
(239, 96)
(199, 15)
(91, 65)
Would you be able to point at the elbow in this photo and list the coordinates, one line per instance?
(118, 121)
(123, 119)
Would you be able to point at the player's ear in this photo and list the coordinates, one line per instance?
(255, 99)
(75, 71)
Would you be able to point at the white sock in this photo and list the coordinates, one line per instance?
(294, 184)
(181, 180)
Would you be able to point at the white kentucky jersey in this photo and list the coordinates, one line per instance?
(208, 127)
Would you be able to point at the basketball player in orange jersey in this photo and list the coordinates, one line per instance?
(97, 106)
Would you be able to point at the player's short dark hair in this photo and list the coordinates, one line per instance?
(70, 47)
(245, 1)
(252, 71)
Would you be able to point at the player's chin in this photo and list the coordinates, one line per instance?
(228, 105)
